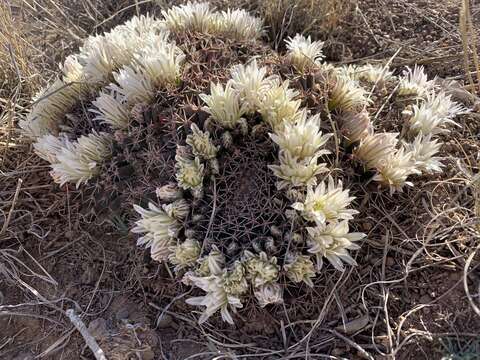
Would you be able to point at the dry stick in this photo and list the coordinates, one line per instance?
(212, 216)
(473, 36)
(352, 343)
(89, 339)
(10, 213)
(464, 33)
(465, 285)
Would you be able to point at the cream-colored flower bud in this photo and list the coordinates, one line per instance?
(235, 282)
(346, 95)
(261, 269)
(271, 293)
(299, 268)
(302, 139)
(295, 173)
(223, 105)
(227, 140)
(189, 173)
(202, 145)
(185, 254)
(356, 126)
(394, 170)
(179, 209)
(326, 203)
(415, 82)
(375, 148)
(169, 192)
(278, 107)
(333, 241)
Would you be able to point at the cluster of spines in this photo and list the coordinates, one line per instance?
(323, 209)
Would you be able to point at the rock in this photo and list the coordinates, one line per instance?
(425, 299)
(98, 328)
(354, 325)
(164, 321)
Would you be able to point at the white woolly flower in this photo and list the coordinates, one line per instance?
(373, 74)
(251, 83)
(278, 107)
(393, 170)
(346, 95)
(72, 70)
(48, 146)
(294, 173)
(194, 16)
(142, 25)
(79, 161)
(223, 105)
(423, 150)
(159, 230)
(443, 106)
(424, 120)
(189, 173)
(185, 254)
(299, 268)
(356, 126)
(332, 242)
(237, 24)
(271, 293)
(376, 147)
(223, 292)
(260, 269)
(111, 109)
(201, 143)
(102, 54)
(134, 85)
(303, 53)
(432, 115)
(179, 209)
(49, 108)
(303, 139)
(161, 63)
(326, 203)
(415, 82)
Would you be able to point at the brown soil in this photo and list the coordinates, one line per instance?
(66, 248)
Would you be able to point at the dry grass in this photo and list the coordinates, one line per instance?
(414, 294)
